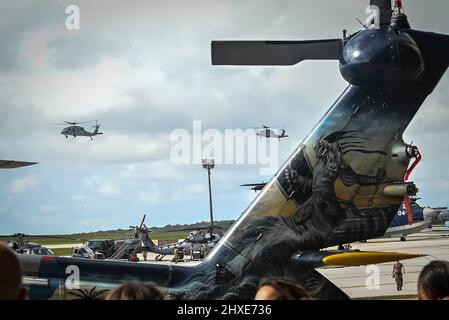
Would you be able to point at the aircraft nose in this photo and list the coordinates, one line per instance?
(429, 214)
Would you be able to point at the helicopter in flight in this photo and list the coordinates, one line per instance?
(267, 132)
(343, 183)
(77, 131)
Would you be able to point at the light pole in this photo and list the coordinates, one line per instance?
(210, 164)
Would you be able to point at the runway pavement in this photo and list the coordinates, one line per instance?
(63, 246)
(354, 280)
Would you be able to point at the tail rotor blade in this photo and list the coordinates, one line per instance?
(283, 53)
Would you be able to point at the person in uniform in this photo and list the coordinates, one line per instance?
(202, 251)
(191, 253)
(206, 250)
(398, 271)
(176, 254)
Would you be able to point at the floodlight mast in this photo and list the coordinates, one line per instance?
(210, 164)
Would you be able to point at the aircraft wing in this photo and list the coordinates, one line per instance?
(334, 258)
(11, 164)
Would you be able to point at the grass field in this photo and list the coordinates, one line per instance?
(62, 251)
(114, 235)
(44, 240)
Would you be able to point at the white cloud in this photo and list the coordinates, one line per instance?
(24, 184)
(102, 186)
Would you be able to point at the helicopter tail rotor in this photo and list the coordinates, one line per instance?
(96, 127)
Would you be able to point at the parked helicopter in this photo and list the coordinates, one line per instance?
(401, 226)
(25, 247)
(194, 240)
(141, 241)
(78, 131)
(443, 216)
(343, 183)
(267, 132)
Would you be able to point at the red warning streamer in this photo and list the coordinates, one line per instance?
(408, 207)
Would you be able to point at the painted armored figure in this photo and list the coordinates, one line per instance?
(323, 209)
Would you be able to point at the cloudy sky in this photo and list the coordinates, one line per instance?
(144, 68)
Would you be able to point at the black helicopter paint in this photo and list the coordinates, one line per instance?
(344, 182)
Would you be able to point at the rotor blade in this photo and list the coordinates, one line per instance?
(283, 53)
(74, 123)
(384, 10)
(11, 164)
(253, 185)
(143, 220)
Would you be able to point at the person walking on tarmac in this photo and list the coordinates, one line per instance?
(398, 271)
(176, 254)
(191, 252)
(202, 250)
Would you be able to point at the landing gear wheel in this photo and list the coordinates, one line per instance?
(403, 238)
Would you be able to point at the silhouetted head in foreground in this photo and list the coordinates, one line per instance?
(280, 288)
(433, 282)
(10, 276)
(135, 291)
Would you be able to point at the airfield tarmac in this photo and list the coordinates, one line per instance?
(352, 280)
